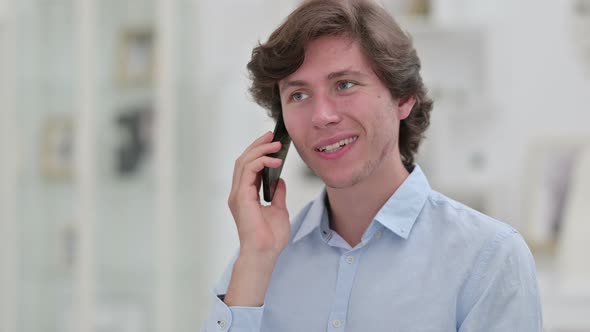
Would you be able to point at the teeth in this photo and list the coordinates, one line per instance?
(338, 145)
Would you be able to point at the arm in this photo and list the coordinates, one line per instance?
(264, 232)
(502, 293)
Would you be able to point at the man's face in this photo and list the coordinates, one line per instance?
(341, 118)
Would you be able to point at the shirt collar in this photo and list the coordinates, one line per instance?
(313, 217)
(401, 210)
(398, 214)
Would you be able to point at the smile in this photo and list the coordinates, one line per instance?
(338, 145)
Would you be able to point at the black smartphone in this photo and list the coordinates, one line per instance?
(270, 176)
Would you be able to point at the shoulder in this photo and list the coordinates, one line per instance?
(480, 242)
(455, 219)
(487, 242)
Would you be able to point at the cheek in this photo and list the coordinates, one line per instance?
(384, 120)
(294, 125)
(297, 134)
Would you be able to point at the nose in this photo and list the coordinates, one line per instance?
(325, 112)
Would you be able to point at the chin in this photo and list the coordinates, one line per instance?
(339, 181)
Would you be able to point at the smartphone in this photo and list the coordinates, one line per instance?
(270, 176)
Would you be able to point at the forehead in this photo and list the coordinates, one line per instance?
(331, 46)
(330, 54)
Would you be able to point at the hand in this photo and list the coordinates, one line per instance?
(264, 231)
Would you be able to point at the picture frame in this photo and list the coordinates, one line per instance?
(135, 128)
(550, 161)
(420, 8)
(57, 147)
(135, 59)
(580, 26)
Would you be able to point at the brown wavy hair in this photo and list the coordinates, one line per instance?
(386, 46)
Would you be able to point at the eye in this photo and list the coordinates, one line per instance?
(299, 96)
(343, 85)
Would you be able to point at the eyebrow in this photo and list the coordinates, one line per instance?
(331, 76)
(346, 72)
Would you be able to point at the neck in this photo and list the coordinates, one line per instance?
(352, 209)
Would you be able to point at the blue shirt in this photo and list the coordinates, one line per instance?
(425, 263)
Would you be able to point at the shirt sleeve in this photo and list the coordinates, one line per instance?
(232, 319)
(502, 292)
(222, 318)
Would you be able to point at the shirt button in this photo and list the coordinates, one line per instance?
(337, 323)
(221, 324)
(350, 259)
(379, 234)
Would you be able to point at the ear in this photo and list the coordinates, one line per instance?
(405, 106)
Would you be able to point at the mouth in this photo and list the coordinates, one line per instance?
(331, 148)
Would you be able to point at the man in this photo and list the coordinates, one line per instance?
(378, 249)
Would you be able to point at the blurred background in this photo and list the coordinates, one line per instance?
(120, 122)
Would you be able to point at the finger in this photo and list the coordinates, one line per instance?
(265, 138)
(259, 180)
(248, 180)
(261, 150)
(254, 153)
(280, 197)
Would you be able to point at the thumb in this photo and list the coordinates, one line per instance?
(280, 198)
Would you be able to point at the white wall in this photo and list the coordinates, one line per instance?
(538, 84)
(8, 166)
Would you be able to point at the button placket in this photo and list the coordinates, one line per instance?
(346, 273)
